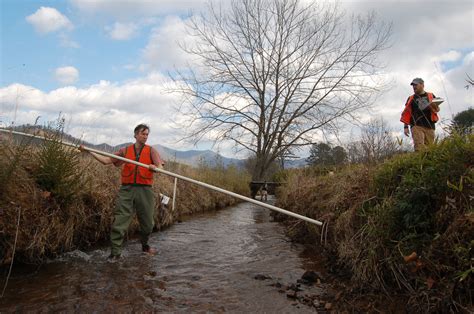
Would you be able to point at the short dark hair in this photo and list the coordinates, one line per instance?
(141, 127)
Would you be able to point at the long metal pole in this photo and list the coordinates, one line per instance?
(175, 175)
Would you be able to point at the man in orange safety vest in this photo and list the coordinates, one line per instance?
(136, 192)
(421, 115)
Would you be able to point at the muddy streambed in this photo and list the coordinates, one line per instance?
(235, 260)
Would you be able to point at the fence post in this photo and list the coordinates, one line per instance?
(174, 193)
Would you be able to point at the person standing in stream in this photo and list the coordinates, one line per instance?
(136, 192)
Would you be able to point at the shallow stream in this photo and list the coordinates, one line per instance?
(208, 262)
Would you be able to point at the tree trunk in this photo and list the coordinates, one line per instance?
(258, 173)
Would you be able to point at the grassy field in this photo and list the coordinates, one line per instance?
(405, 226)
(65, 199)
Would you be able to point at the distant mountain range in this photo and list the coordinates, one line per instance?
(188, 157)
(196, 157)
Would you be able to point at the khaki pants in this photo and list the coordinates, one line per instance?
(131, 199)
(422, 137)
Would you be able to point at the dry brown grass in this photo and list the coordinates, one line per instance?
(378, 216)
(330, 198)
(48, 227)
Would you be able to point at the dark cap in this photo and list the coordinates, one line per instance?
(417, 81)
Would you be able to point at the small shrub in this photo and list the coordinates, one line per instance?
(58, 170)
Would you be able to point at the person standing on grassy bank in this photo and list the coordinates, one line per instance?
(421, 115)
(136, 192)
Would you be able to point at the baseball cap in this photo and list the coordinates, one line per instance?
(417, 81)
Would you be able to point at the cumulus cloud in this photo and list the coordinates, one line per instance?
(426, 35)
(46, 20)
(449, 56)
(67, 42)
(469, 59)
(126, 9)
(103, 112)
(122, 31)
(66, 75)
(163, 50)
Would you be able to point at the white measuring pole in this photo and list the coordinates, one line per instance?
(174, 193)
(178, 176)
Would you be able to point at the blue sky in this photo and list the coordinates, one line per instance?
(30, 58)
(104, 63)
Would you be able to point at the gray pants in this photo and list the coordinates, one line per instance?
(131, 198)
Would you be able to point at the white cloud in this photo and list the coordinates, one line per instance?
(47, 20)
(103, 112)
(127, 9)
(425, 34)
(163, 49)
(66, 75)
(67, 42)
(122, 31)
(469, 59)
(449, 56)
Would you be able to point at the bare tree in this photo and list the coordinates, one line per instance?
(271, 74)
(376, 143)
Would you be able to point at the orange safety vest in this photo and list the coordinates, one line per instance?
(406, 114)
(132, 174)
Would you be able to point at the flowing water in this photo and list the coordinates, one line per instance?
(207, 263)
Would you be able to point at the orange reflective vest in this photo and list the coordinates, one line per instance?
(132, 174)
(406, 114)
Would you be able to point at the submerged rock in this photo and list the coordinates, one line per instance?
(262, 277)
(310, 277)
(292, 294)
(278, 285)
(294, 287)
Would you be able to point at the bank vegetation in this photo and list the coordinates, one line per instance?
(403, 226)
